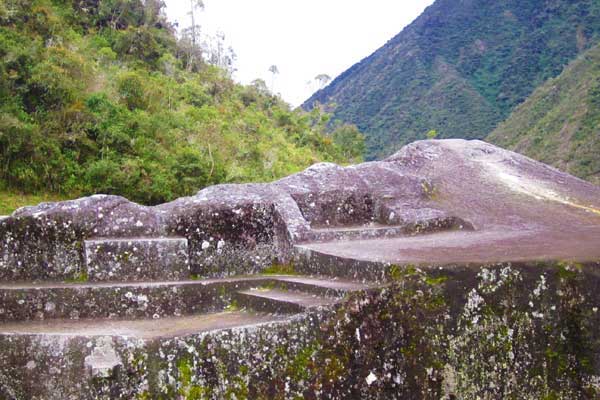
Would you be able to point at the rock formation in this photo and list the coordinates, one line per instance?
(178, 300)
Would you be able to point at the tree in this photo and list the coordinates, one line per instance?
(274, 71)
(323, 80)
(219, 54)
(120, 14)
(194, 31)
(350, 141)
(260, 86)
(153, 13)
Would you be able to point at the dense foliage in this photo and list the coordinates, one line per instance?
(460, 68)
(100, 96)
(560, 122)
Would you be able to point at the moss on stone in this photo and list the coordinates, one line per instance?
(232, 306)
(280, 269)
(80, 276)
(186, 388)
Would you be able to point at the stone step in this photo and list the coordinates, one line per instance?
(22, 302)
(375, 230)
(279, 301)
(85, 359)
(327, 287)
(370, 231)
(136, 259)
(142, 329)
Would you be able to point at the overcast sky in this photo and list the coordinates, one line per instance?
(303, 38)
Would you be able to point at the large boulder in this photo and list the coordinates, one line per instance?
(232, 229)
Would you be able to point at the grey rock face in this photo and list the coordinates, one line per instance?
(148, 309)
(231, 229)
(104, 360)
(136, 259)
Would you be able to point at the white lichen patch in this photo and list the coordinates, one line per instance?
(104, 359)
(371, 378)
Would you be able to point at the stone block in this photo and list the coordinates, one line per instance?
(136, 259)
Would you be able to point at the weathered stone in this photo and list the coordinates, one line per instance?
(136, 259)
(231, 229)
(103, 361)
(474, 271)
(278, 301)
(139, 300)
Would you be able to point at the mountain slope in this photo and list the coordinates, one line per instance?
(101, 97)
(559, 124)
(460, 68)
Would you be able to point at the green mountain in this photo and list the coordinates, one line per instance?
(559, 123)
(100, 96)
(460, 68)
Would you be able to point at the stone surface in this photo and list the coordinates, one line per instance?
(176, 363)
(139, 300)
(278, 301)
(140, 329)
(453, 269)
(581, 243)
(231, 229)
(103, 360)
(136, 259)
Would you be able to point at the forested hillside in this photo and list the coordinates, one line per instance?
(460, 68)
(99, 96)
(559, 123)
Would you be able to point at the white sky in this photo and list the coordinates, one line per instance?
(303, 38)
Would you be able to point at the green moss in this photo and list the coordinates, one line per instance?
(124, 257)
(187, 390)
(272, 285)
(79, 277)
(237, 390)
(433, 281)
(184, 366)
(280, 269)
(552, 396)
(398, 273)
(301, 366)
(567, 271)
(232, 306)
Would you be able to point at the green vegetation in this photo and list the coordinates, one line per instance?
(460, 69)
(232, 306)
(188, 390)
(10, 201)
(79, 277)
(432, 134)
(99, 96)
(559, 124)
(280, 269)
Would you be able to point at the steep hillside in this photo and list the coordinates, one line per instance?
(559, 124)
(100, 96)
(460, 68)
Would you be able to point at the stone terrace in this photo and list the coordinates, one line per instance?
(104, 298)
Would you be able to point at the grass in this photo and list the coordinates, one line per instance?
(10, 201)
